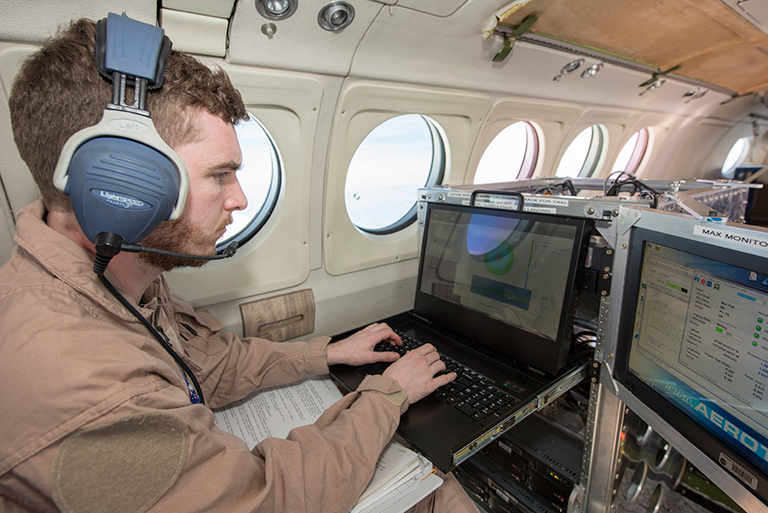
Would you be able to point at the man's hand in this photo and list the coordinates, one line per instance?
(358, 349)
(416, 370)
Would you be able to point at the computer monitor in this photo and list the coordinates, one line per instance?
(692, 343)
(507, 278)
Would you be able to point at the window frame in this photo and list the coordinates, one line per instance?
(363, 105)
(748, 142)
(435, 176)
(594, 157)
(592, 160)
(258, 221)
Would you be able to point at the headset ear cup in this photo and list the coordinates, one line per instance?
(121, 186)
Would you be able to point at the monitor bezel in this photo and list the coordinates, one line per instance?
(703, 440)
(530, 348)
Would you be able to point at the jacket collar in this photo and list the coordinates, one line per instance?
(68, 261)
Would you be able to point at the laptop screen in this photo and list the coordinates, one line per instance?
(513, 272)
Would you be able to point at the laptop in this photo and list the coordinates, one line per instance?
(496, 295)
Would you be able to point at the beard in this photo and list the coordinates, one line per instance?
(178, 236)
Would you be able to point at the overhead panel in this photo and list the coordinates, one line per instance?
(754, 11)
(298, 42)
(197, 26)
(708, 40)
(406, 45)
(435, 7)
(195, 33)
(215, 8)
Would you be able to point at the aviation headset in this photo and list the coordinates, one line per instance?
(123, 180)
(121, 177)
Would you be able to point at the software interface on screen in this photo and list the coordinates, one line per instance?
(699, 339)
(510, 269)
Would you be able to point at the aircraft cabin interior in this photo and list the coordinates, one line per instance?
(594, 168)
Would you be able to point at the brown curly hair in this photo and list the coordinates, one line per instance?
(59, 91)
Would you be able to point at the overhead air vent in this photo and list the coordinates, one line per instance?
(336, 16)
(276, 9)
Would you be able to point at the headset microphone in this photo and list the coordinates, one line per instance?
(109, 244)
(229, 251)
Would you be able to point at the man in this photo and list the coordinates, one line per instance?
(97, 416)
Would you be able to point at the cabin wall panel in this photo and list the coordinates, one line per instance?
(760, 148)
(17, 181)
(362, 107)
(216, 8)
(551, 118)
(693, 155)
(195, 33)
(342, 302)
(332, 87)
(659, 126)
(17, 189)
(434, 7)
(616, 124)
(561, 122)
(744, 128)
(666, 134)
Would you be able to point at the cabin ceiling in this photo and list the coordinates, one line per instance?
(718, 43)
(32, 21)
(709, 40)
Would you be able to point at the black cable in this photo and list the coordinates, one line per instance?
(619, 184)
(605, 183)
(185, 368)
(110, 244)
(583, 336)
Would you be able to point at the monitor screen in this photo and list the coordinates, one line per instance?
(693, 346)
(513, 272)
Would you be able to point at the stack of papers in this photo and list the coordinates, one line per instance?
(273, 412)
(399, 482)
(401, 479)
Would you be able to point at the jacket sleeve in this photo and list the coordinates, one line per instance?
(230, 368)
(322, 467)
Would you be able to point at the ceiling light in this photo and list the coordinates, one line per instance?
(276, 9)
(653, 86)
(696, 96)
(336, 16)
(592, 70)
(571, 66)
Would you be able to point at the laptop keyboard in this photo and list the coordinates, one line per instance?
(471, 393)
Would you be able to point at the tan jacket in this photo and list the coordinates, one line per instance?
(95, 415)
